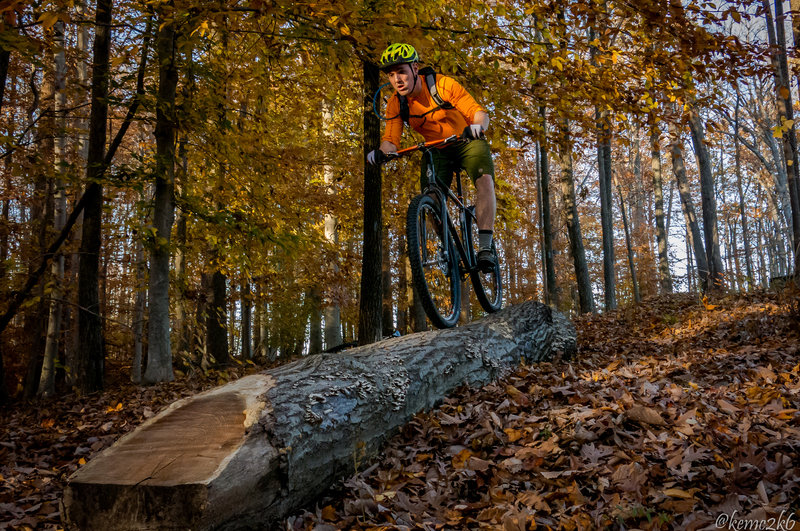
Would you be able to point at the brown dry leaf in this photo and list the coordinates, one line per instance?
(478, 465)
(461, 458)
(645, 415)
(491, 514)
(533, 500)
(727, 407)
(512, 464)
(514, 435)
(329, 512)
(679, 493)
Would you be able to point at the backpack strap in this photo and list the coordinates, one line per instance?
(404, 112)
(430, 79)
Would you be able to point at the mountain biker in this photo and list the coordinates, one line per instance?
(400, 62)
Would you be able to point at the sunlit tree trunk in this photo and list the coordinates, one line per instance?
(709, 202)
(679, 169)
(332, 308)
(664, 277)
(48, 373)
(573, 221)
(41, 220)
(159, 349)
(90, 358)
(371, 294)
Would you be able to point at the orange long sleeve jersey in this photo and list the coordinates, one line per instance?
(441, 123)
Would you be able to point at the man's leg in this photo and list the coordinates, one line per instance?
(477, 161)
(485, 209)
(486, 205)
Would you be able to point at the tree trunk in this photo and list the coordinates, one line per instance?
(159, 348)
(679, 169)
(181, 278)
(90, 358)
(403, 313)
(573, 222)
(48, 373)
(762, 251)
(606, 209)
(5, 58)
(332, 309)
(371, 294)
(282, 437)
(748, 256)
(547, 225)
(709, 202)
(690, 276)
(258, 313)
(247, 320)
(387, 319)
(783, 100)
(664, 277)
(628, 245)
(139, 309)
(315, 320)
(216, 321)
(265, 350)
(737, 276)
(419, 321)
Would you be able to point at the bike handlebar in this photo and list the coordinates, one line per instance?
(420, 146)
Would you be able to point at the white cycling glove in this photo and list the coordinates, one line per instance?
(375, 157)
(474, 131)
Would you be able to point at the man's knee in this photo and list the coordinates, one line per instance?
(485, 182)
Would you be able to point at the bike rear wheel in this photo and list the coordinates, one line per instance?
(434, 263)
(488, 285)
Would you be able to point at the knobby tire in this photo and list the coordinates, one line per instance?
(435, 277)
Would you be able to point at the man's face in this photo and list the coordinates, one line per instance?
(402, 77)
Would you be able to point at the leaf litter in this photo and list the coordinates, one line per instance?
(672, 413)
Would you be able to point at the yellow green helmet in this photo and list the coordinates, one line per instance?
(397, 54)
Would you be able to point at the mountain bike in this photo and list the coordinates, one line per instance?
(442, 255)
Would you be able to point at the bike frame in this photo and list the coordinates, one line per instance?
(469, 261)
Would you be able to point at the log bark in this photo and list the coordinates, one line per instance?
(245, 455)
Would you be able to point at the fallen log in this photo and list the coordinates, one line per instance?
(245, 455)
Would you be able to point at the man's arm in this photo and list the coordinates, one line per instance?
(482, 118)
(388, 147)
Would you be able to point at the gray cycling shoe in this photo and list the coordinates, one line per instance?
(487, 261)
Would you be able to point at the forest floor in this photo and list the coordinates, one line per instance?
(675, 414)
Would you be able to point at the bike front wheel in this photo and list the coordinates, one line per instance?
(434, 263)
(488, 285)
